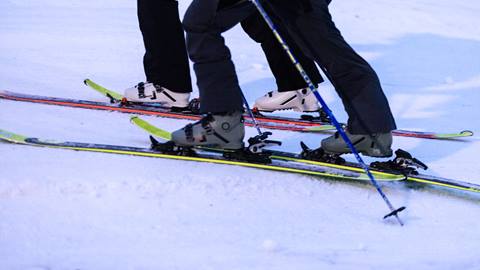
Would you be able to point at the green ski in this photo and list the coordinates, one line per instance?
(379, 175)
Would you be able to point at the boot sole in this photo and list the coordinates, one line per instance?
(365, 153)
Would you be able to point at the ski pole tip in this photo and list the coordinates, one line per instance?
(395, 213)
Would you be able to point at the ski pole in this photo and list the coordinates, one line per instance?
(249, 111)
(257, 143)
(271, 25)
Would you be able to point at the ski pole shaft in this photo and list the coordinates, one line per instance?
(249, 110)
(327, 110)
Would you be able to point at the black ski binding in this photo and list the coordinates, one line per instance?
(246, 155)
(193, 107)
(322, 117)
(170, 148)
(254, 152)
(320, 155)
(114, 100)
(403, 162)
(257, 143)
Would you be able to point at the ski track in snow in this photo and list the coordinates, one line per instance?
(62, 209)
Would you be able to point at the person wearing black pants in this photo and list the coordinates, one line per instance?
(310, 25)
(286, 75)
(166, 61)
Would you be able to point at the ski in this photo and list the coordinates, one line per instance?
(284, 162)
(314, 124)
(308, 124)
(198, 155)
(408, 175)
(145, 109)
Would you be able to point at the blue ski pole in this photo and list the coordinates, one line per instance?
(266, 17)
(249, 111)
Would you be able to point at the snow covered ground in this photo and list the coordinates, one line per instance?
(61, 209)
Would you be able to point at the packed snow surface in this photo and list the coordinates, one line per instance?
(61, 209)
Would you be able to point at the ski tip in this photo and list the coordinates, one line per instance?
(461, 134)
(86, 81)
(134, 118)
(11, 137)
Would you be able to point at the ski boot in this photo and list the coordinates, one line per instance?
(302, 100)
(154, 93)
(375, 145)
(225, 131)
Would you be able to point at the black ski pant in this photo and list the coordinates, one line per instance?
(314, 31)
(286, 75)
(166, 62)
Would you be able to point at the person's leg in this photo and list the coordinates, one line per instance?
(216, 77)
(370, 119)
(220, 94)
(356, 82)
(291, 92)
(165, 60)
(286, 75)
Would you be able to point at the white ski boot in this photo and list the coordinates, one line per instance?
(224, 131)
(152, 93)
(302, 100)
